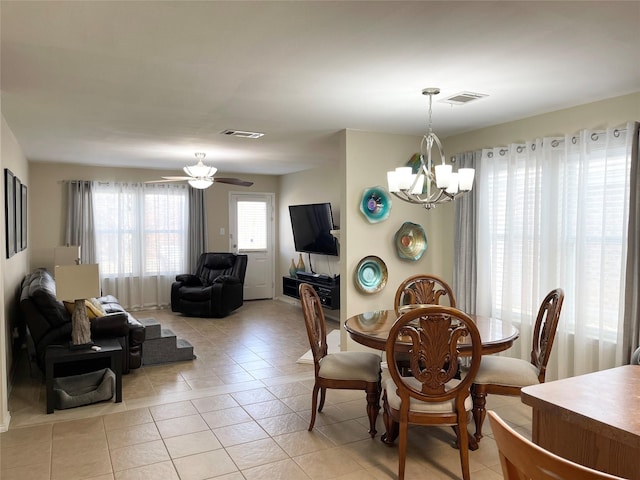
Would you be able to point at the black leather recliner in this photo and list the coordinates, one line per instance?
(215, 290)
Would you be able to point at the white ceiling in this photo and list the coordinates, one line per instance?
(147, 84)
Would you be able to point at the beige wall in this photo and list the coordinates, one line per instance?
(368, 156)
(48, 193)
(312, 186)
(13, 269)
(598, 115)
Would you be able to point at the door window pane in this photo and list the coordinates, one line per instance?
(252, 225)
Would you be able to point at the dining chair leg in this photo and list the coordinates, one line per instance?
(463, 436)
(479, 396)
(373, 407)
(402, 449)
(390, 426)
(314, 403)
(323, 393)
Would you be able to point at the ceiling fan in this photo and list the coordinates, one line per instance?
(201, 176)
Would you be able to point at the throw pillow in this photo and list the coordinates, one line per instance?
(92, 311)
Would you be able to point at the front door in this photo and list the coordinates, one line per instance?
(251, 227)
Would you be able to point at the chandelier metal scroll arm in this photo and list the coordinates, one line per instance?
(442, 183)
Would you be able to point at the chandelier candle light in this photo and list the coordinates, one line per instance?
(442, 183)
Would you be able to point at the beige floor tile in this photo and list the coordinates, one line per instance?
(122, 437)
(216, 402)
(83, 464)
(288, 423)
(345, 432)
(143, 454)
(127, 418)
(27, 436)
(259, 452)
(172, 410)
(223, 418)
(19, 455)
(270, 408)
(282, 470)
(159, 471)
(205, 465)
(303, 442)
(173, 427)
(326, 464)
(34, 471)
(288, 390)
(253, 396)
(191, 444)
(239, 433)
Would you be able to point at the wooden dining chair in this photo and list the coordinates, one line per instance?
(522, 459)
(505, 375)
(340, 370)
(423, 289)
(431, 395)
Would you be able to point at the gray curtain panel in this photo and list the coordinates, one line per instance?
(631, 335)
(197, 242)
(465, 266)
(80, 228)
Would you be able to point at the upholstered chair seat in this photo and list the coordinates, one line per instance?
(513, 372)
(363, 366)
(416, 406)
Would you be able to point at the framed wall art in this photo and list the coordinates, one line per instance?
(23, 221)
(18, 213)
(10, 211)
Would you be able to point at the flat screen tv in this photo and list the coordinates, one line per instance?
(312, 225)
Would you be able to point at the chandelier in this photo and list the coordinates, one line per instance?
(431, 184)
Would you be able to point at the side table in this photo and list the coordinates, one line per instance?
(109, 348)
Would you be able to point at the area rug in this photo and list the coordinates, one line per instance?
(333, 346)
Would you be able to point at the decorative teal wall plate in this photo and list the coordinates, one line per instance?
(371, 274)
(411, 241)
(375, 204)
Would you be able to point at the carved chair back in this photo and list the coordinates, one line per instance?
(545, 329)
(423, 289)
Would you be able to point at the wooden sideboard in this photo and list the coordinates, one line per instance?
(591, 419)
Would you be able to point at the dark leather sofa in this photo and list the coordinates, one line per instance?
(216, 288)
(49, 322)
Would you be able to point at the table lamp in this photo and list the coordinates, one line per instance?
(68, 255)
(77, 283)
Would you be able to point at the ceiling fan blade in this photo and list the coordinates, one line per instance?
(164, 181)
(177, 178)
(233, 181)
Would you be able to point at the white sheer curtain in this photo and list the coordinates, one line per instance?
(141, 238)
(553, 213)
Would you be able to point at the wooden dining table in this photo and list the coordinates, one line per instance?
(372, 330)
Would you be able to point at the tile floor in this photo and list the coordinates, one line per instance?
(239, 411)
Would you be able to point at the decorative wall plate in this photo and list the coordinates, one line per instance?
(411, 241)
(375, 204)
(371, 274)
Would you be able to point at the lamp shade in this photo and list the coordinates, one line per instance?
(69, 255)
(75, 282)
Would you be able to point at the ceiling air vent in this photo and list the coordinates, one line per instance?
(242, 134)
(463, 98)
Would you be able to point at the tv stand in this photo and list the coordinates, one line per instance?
(329, 293)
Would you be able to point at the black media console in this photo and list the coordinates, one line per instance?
(328, 288)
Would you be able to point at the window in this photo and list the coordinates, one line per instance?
(252, 225)
(554, 213)
(141, 230)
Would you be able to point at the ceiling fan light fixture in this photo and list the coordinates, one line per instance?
(200, 183)
(200, 169)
